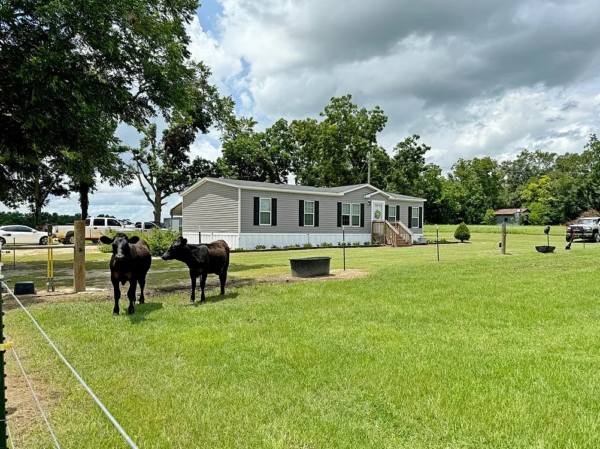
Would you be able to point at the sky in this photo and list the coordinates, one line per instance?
(473, 78)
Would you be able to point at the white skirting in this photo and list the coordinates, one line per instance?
(250, 241)
(233, 240)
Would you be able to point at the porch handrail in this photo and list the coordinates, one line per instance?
(405, 228)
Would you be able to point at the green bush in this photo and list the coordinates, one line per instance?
(367, 243)
(490, 218)
(326, 245)
(343, 244)
(295, 245)
(356, 244)
(462, 232)
(239, 249)
(260, 247)
(158, 240)
(308, 245)
(275, 247)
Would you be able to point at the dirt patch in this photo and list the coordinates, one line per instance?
(63, 295)
(22, 412)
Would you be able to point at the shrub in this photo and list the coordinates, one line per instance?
(158, 240)
(490, 218)
(294, 245)
(260, 247)
(367, 243)
(275, 247)
(342, 244)
(239, 249)
(356, 244)
(308, 245)
(326, 245)
(462, 232)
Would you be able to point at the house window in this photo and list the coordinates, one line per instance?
(350, 214)
(346, 214)
(265, 211)
(415, 217)
(309, 213)
(356, 215)
(392, 214)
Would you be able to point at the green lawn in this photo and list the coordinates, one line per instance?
(478, 350)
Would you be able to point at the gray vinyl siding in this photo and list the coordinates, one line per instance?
(288, 212)
(213, 207)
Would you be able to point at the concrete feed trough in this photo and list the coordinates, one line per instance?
(310, 266)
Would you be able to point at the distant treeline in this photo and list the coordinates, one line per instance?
(18, 218)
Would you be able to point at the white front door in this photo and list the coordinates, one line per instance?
(378, 211)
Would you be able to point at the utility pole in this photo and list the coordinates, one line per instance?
(369, 169)
(4, 346)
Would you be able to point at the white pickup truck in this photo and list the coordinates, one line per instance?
(95, 227)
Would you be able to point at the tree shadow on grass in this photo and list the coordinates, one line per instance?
(143, 310)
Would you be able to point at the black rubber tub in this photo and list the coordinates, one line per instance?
(310, 266)
(545, 249)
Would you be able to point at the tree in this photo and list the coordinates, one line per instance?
(478, 186)
(517, 172)
(160, 165)
(335, 151)
(163, 167)
(113, 60)
(462, 232)
(408, 166)
(37, 181)
(490, 218)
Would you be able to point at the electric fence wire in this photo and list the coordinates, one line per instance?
(35, 396)
(77, 376)
(10, 438)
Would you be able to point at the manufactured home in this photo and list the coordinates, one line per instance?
(246, 214)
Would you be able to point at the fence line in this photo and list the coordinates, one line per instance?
(37, 401)
(10, 438)
(77, 376)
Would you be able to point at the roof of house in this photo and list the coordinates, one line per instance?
(292, 188)
(510, 211)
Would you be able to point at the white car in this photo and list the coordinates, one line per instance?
(22, 235)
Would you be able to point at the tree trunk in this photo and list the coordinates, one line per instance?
(84, 199)
(37, 200)
(157, 206)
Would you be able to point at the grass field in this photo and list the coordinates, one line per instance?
(478, 350)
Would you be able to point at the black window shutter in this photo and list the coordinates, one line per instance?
(362, 215)
(256, 210)
(397, 213)
(387, 212)
(274, 212)
(420, 217)
(409, 217)
(301, 213)
(339, 220)
(316, 213)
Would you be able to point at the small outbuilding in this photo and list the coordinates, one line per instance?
(511, 216)
(175, 221)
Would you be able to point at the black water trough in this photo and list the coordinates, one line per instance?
(545, 249)
(310, 266)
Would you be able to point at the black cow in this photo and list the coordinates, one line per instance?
(130, 261)
(202, 260)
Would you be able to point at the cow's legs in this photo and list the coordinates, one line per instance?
(193, 278)
(131, 296)
(203, 277)
(223, 279)
(142, 286)
(117, 291)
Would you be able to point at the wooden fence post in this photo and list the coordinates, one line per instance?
(504, 238)
(79, 257)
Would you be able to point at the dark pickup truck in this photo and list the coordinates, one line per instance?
(584, 228)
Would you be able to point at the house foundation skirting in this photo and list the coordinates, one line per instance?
(233, 240)
(250, 241)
